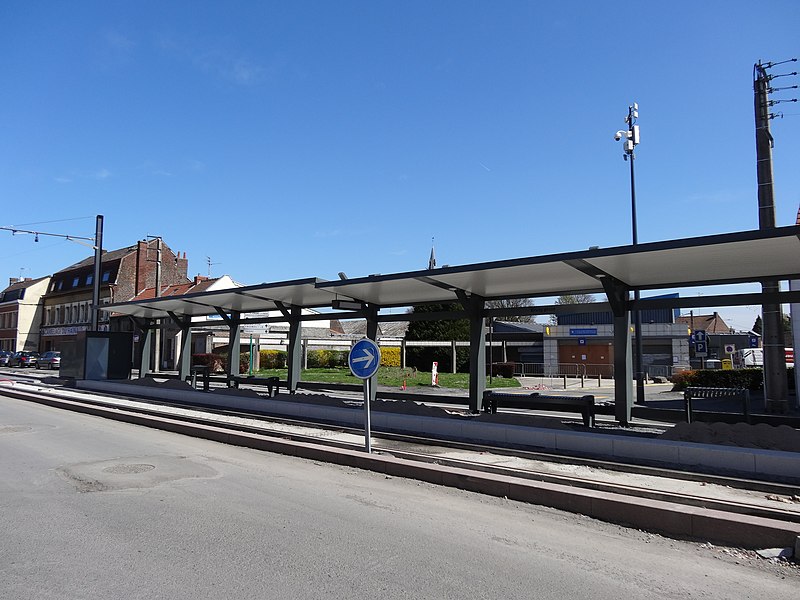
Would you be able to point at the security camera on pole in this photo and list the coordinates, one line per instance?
(630, 138)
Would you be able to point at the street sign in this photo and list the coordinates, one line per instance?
(730, 348)
(364, 359)
(700, 335)
(701, 349)
(754, 341)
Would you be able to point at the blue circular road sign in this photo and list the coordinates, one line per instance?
(364, 358)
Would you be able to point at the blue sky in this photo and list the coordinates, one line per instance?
(300, 139)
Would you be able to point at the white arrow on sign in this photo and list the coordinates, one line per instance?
(368, 358)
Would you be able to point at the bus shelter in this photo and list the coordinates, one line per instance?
(764, 256)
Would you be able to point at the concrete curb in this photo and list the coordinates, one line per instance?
(653, 515)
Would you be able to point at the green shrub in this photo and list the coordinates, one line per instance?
(751, 379)
(390, 357)
(422, 357)
(272, 359)
(503, 370)
(327, 359)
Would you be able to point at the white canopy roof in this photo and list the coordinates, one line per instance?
(710, 260)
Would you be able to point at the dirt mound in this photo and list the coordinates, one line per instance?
(767, 437)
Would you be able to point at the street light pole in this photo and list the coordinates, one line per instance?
(631, 137)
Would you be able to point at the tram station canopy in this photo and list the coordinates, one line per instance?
(771, 254)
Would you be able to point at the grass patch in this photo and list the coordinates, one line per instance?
(390, 376)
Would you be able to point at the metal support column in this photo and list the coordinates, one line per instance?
(146, 346)
(372, 333)
(294, 358)
(475, 305)
(185, 349)
(618, 296)
(234, 343)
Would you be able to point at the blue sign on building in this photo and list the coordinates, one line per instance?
(587, 331)
(754, 341)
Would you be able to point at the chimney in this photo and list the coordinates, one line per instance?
(182, 265)
(12, 280)
(198, 278)
(140, 282)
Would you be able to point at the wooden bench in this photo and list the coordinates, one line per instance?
(537, 401)
(272, 383)
(709, 393)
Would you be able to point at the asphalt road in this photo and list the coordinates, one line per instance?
(91, 508)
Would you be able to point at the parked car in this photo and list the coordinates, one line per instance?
(5, 355)
(50, 360)
(24, 359)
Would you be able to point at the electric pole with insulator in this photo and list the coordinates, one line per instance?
(776, 392)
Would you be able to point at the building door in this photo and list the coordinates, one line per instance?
(596, 359)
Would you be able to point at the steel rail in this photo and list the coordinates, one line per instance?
(70, 402)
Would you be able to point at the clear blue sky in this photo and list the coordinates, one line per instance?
(300, 139)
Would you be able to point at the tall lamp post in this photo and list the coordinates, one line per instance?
(630, 138)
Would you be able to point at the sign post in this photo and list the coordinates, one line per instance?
(364, 360)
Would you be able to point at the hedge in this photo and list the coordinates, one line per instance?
(272, 359)
(505, 370)
(326, 359)
(390, 357)
(751, 379)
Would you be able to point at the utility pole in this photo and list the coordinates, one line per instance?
(776, 392)
(98, 259)
(631, 137)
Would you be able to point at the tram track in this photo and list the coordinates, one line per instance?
(406, 448)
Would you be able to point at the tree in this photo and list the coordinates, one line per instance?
(575, 299)
(512, 303)
(437, 330)
(571, 299)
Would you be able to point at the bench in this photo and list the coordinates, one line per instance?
(709, 393)
(537, 401)
(272, 383)
(204, 371)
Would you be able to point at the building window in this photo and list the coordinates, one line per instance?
(106, 276)
(76, 281)
(89, 279)
(60, 284)
(47, 317)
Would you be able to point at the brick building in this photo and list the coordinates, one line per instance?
(124, 274)
(21, 313)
